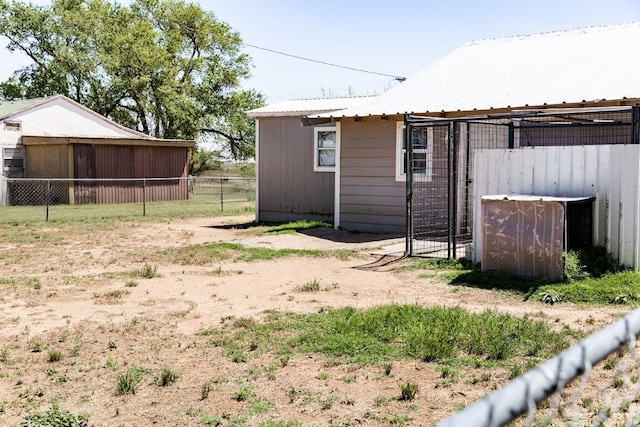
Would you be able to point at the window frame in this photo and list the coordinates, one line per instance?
(401, 155)
(316, 149)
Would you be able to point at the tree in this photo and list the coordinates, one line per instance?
(163, 67)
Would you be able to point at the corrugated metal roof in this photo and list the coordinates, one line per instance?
(587, 64)
(303, 107)
(10, 107)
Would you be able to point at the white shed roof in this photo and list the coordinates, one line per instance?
(303, 107)
(587, 64)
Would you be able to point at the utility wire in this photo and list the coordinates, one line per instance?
(398, 78)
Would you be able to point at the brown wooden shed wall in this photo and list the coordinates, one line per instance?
(370, 198)
(67, 158)
(48, 161)
(288, 187)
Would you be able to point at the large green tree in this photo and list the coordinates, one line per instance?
(167, 68)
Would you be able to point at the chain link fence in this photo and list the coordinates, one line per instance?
(570, 389)
(42, 199)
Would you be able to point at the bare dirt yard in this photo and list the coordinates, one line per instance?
(81, 305)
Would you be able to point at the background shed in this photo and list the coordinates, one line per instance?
(112, 159)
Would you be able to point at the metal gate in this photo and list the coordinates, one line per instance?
(439, 163)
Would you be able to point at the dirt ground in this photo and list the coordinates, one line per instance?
(66, 291)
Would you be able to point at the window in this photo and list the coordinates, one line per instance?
(324, 152)
(13, 126)
(422, 152)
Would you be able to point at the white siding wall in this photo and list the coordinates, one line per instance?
(610, 173)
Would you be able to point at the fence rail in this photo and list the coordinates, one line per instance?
(115, 196)
(523, 394)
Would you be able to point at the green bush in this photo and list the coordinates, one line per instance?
(56, 417)
(589, 263)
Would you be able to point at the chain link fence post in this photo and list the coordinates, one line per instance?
(48, 198)
(144, 197)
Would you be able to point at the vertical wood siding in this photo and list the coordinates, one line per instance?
(370, 197)
(289, 188)
(610, 173)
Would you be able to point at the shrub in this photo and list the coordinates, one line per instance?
(56, 417)
(408, 391)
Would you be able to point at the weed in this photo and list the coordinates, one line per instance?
(387, 366)
(292, 393)
(56, 417)
(381, 401)
(609, 363)
(129, 381)
(113, 344)
(259, 406)
(147, 272)
(111, 297)
(349, 379)
(74, 351)
(284, 361)
(618, 382)
(166, 377)
(36, 345)
(408, 391)
(550, 297)
(242, 394)
(323, 376)
(54, 355)
(328, 402)
(211, 420)
(131, 284)
(111, 364)
(205, 390)
(5, 356)
(311, 286)
(192, 412)
(515, 371)
(63, 335)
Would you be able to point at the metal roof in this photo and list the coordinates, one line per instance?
(10, 107)
(303, 107)
(587, 64)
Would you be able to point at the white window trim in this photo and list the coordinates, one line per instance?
(317, 130)
(401, 152)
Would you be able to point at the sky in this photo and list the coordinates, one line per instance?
(395, 38)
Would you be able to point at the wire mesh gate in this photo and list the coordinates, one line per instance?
(439, 182)
(439, 163)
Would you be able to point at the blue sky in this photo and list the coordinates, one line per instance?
(397, 37)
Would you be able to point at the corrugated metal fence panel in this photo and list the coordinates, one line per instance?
(610, 173)
(624, 203)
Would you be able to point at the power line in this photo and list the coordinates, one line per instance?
(398, 78)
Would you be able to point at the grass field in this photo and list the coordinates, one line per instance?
(202, 204)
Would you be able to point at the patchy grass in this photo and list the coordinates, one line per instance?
(211, 252)
(295, 227)
(593, 276)
(391, 332)
(616, 288)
